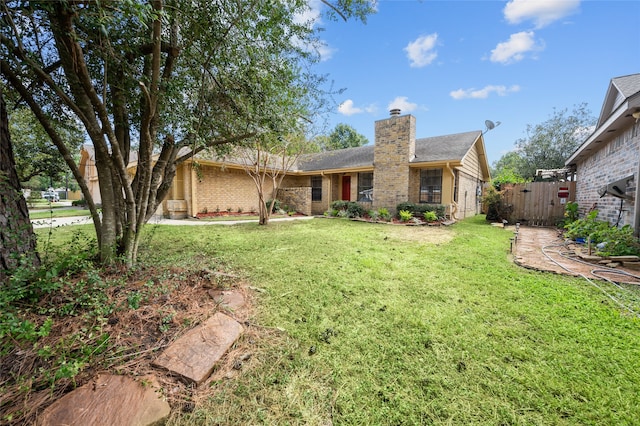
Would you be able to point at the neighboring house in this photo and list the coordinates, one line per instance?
(89, 171)
(450, 170)
(607, 163)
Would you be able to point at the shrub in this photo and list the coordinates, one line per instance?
(351, 209)
(339, 205)
(355, 210)
(384, 214)
(617, 241)
(405, 215)
(373, 215)
(276, 205)
(492, 199)
(430, 216)
(79, 203)
(419, 210)
(570, 213)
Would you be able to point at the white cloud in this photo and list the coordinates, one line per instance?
(311, 17)
(484, 92)
(402, 103)
(347, 108)
(514, 49)
(421, 51)
(325, 51)
(311, 14)
(541, 12)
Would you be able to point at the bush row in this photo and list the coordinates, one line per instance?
(352, 209)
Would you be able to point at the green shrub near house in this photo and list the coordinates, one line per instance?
(348, 209)
(418, 210)
(616, 241)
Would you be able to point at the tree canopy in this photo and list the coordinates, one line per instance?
(35, 155)
(548, 144)
(342, 136)
(164, 78)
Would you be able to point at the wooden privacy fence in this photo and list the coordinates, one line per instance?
(538, 203)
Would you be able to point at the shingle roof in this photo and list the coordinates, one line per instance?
(628, 85)
(339, 159)
(447, 147)
(438, 148)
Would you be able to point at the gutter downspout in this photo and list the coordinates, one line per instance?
(194, 201)
(454, 205)
(636, 210)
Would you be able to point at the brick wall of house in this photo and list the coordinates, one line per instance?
(616, 159)
(393, 149)
(298, 198)
(220, 189)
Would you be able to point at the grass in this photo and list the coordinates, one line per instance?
(57, 212)
(416, 332)
(385, 325)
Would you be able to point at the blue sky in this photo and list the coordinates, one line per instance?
(454, 64)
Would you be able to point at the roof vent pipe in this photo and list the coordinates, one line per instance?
(395, 112)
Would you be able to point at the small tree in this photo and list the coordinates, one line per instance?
(267, 161)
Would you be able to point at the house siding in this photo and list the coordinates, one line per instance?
(470, 178)
(616, 159)
(220, 189)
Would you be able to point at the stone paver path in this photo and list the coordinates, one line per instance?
(194, 355)
(109, 400)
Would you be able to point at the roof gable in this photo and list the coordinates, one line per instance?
(620, 102)
(620, 89)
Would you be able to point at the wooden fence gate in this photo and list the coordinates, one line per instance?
(538, 203)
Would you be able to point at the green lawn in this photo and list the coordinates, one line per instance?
(364, 324)
(35, 214)
(443, 329)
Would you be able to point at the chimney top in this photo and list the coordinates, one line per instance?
(395, 112)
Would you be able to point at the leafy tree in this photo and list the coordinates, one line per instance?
(17, 239)
(343, 136)
(267, 161)
(506, 170)
(35, 155)
(551, 142)
(166, 78)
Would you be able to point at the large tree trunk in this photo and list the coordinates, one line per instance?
(17, 239)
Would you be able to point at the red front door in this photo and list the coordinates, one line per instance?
(346, 188)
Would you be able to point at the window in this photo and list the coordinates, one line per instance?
(316, 188)
(365, 187)
(431, 186)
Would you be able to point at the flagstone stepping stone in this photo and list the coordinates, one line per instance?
(194, 355)
(228, 298)
(109, 400)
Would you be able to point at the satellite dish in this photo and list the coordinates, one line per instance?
(490, 125)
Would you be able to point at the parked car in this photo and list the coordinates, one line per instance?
(51, 196)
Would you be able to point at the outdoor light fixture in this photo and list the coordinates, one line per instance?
(636, 115)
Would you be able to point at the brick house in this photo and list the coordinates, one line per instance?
(450, 170)
(607, 163)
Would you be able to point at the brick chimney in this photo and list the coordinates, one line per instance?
(395, 146)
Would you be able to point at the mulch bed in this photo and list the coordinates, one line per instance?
(176, 300)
